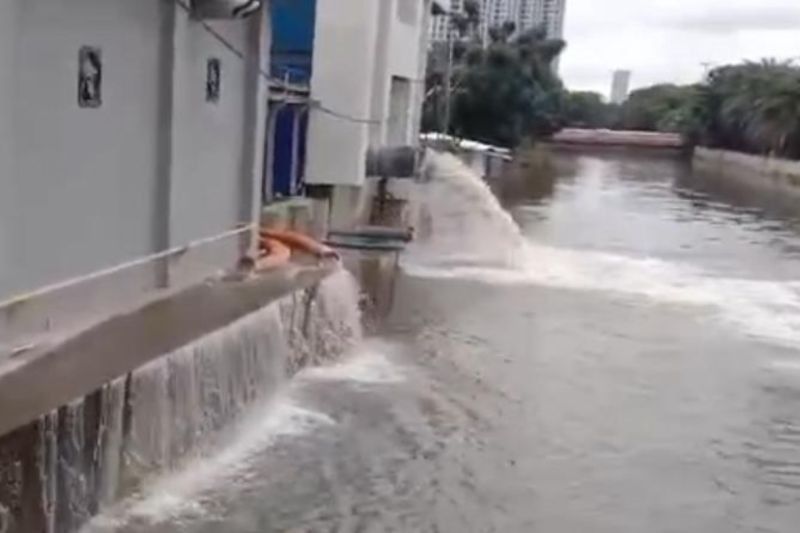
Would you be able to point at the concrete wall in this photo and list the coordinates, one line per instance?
(7, 46)
(85, 181)
(155, 167)
(381, 76)
(359, 81)
(206, 193)
(344, 59)
(144, 419)
(404, 45)
(769, 170)
(354, 62)
(398, 131)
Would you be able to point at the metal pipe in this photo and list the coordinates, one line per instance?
(269, 160)
(178, 250)
(393, 161)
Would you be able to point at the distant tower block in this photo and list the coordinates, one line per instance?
(620, 86)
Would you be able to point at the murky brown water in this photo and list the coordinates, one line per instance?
(633, 365)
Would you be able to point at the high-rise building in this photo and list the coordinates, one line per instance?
(529, 14)
(620, 85)
(440, 24)
(498, 12)
(525, 14)
(551, 15)
(547, 13)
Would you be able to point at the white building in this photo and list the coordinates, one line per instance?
(620, 85)
(368, 86)
(547, 13)
(530, 14)
(498, 12)
(551, 14)
(525, 14)
(440, 24)
(126, 129)
(132, 139)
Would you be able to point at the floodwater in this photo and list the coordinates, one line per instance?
(615, 349)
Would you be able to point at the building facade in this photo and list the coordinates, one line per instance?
(530, 14)
(366, 90)
(440, 24)
(140, 142)
(498, 12)
(524, 14)
(551, 15)
(127, 129)
(620, 85)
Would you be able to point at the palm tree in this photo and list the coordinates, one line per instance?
(756, 107)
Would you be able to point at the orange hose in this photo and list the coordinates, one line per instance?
(272, 253)
(299, 241)
(275, 249)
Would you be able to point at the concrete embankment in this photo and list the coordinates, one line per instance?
(781, 173)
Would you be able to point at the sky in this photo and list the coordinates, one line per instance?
(669, 40)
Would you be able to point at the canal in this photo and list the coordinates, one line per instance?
(612, 347)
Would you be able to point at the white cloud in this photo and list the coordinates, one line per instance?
(668, 40)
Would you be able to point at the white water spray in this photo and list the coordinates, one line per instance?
(480, 241)
(193, 418)
(460, 220)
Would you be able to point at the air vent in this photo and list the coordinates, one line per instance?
(224, 9)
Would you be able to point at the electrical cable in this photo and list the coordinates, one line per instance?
(266, 75)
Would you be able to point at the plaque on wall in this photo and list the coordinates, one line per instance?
(213, 80)
(90, 77)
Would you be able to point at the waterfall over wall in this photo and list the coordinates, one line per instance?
(64, 468)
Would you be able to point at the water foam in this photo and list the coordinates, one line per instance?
(187, 494)
(369, 364)
(458, 204)
(176, 497)
(460, 221)
(205, 412)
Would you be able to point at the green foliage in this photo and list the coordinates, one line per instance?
(500, 94)
(655, 108)
(585, 109)
(755, 107)
(751, 107)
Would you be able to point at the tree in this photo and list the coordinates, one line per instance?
(586, 109)
(755, 107)
(467, 22)
(750, 107)
(646, 108)
(464, 36)
(508, 91)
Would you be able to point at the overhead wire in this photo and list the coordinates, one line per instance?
(313, 104)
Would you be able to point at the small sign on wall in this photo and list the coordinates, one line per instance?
(90, 77)
(213, 80)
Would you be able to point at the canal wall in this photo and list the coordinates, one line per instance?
(81, 457)
(782, 173)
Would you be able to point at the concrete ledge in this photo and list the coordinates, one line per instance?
(67, 306)
(42, 379)
(783, 173)
(666, 151)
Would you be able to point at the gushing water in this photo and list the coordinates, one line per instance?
(467, 234)
(460, 221)
(197, 412)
